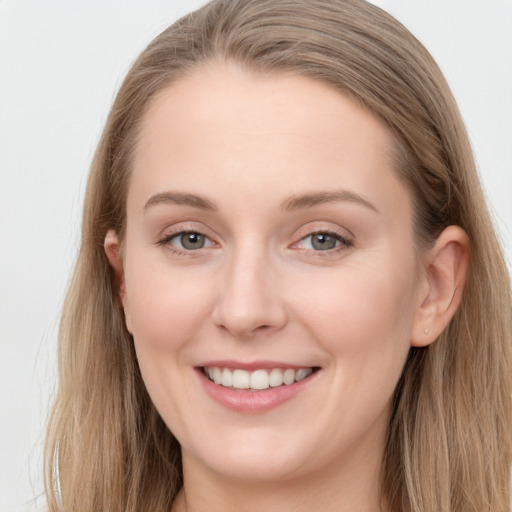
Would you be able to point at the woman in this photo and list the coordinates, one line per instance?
(289, 294)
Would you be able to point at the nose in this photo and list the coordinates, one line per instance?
(250, 300)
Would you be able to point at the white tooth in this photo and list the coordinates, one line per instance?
(289, 376)
(259, 379)
(302, 373)
(227, 378)
(217, 375)
(210, 372)
(275, 378)
(240, 379)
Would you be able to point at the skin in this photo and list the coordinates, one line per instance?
(260, 290)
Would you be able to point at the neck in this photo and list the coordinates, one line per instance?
(351, 486)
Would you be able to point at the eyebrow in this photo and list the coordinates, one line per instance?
(180, 198)
(297, 202)
(309, 200)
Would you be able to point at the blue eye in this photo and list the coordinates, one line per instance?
(187, 241)
(324, 241)
(191, 240)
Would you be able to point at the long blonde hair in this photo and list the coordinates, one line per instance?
(449, 444)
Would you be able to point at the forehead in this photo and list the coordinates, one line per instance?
(248, 102)
(259, 134)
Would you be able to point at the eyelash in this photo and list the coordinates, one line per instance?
(166, 241)
(343, 242)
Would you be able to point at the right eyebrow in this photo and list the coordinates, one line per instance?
(180, 198)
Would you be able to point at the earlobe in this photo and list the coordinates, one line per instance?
(446, 266)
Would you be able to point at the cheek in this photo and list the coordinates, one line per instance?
(165, 307)
(362, 310)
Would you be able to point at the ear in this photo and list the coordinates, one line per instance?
(444, 276)
(113, 252)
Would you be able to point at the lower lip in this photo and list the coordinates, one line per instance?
(253, 402)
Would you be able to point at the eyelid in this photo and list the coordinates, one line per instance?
(181, 233)
(345, 238)
(339, 238)
(175, 231)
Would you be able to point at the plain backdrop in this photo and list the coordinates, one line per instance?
(60, 65)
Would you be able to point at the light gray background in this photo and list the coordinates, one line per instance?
(60, 65)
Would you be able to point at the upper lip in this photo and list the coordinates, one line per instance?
(252, 365)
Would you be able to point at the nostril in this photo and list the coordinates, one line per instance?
(263, 328)
(243, 332)
(248, 304)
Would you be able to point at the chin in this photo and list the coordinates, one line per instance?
(257, 465)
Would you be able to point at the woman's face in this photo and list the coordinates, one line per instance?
(268, 241)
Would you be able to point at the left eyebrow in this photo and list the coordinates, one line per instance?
(313, 199)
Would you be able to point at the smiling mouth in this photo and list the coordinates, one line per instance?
(256, 380)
